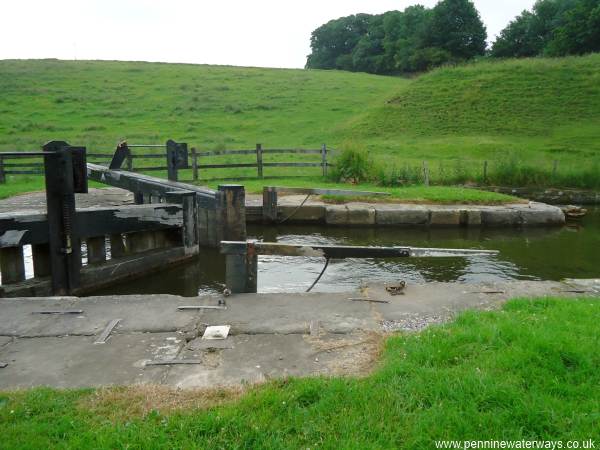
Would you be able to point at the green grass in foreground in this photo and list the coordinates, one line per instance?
(413, 194)
(529, 371)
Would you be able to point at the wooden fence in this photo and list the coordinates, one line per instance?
(198, 167)
(193, 155)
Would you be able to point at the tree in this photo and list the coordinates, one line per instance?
(415, 39)
(457, 28)
(552, 28)
(332, 44)
(519, 38)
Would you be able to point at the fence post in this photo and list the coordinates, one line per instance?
(194, 164)
(269, 211)
(324, 159)
(259, 160)
(171, 160)
(129, 160)
(426, 173)
(2, 175)
(485, 171)
(65, 245)
(554, 168)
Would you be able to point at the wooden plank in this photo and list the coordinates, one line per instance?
(37, 164)
(148, 156)
(106, 332)
(23, 172)
(292, 164)
(32, 228)
(227, 152)
(226, 166)
(136, 182)
(293, 150)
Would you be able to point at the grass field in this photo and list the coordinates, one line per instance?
(529, 371)
(519, 115)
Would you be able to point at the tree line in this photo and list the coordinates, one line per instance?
(420, 38)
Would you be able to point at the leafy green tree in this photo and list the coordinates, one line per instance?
(579, 30)
(552, 28)
(519, 38)
(457, 28)
(332, 44)
(415, 39)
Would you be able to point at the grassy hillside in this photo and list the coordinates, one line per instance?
(541, 109)
(520, 115)
(96, 103)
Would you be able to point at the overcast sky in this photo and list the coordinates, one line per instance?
(266, 33)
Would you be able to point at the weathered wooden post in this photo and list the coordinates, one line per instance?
(172, 160)
(426, 173)
(259, 160)
(241, 271)
(231, 226)
(2, 174)
(485, 171)
(189, 229)
(231, 212)
(96, 250)
(41, 260)
(129, 160)
(194, 164)
(12, 264)
(269, 211)
(65, 245)
(324, 159)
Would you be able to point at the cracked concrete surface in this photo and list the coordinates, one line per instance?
(272, 335)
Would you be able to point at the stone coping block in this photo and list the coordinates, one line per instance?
(360, 214)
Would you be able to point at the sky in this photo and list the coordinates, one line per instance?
(263, 33)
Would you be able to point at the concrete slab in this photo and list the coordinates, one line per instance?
(272, 335)
(423, 304)
(75, 361)
(292, 313)
(138, 313)
(257, 358)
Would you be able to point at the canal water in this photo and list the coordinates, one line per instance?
(572, 251)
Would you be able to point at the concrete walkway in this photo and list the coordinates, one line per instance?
(272, 335)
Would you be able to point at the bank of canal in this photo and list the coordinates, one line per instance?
(571, 251)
